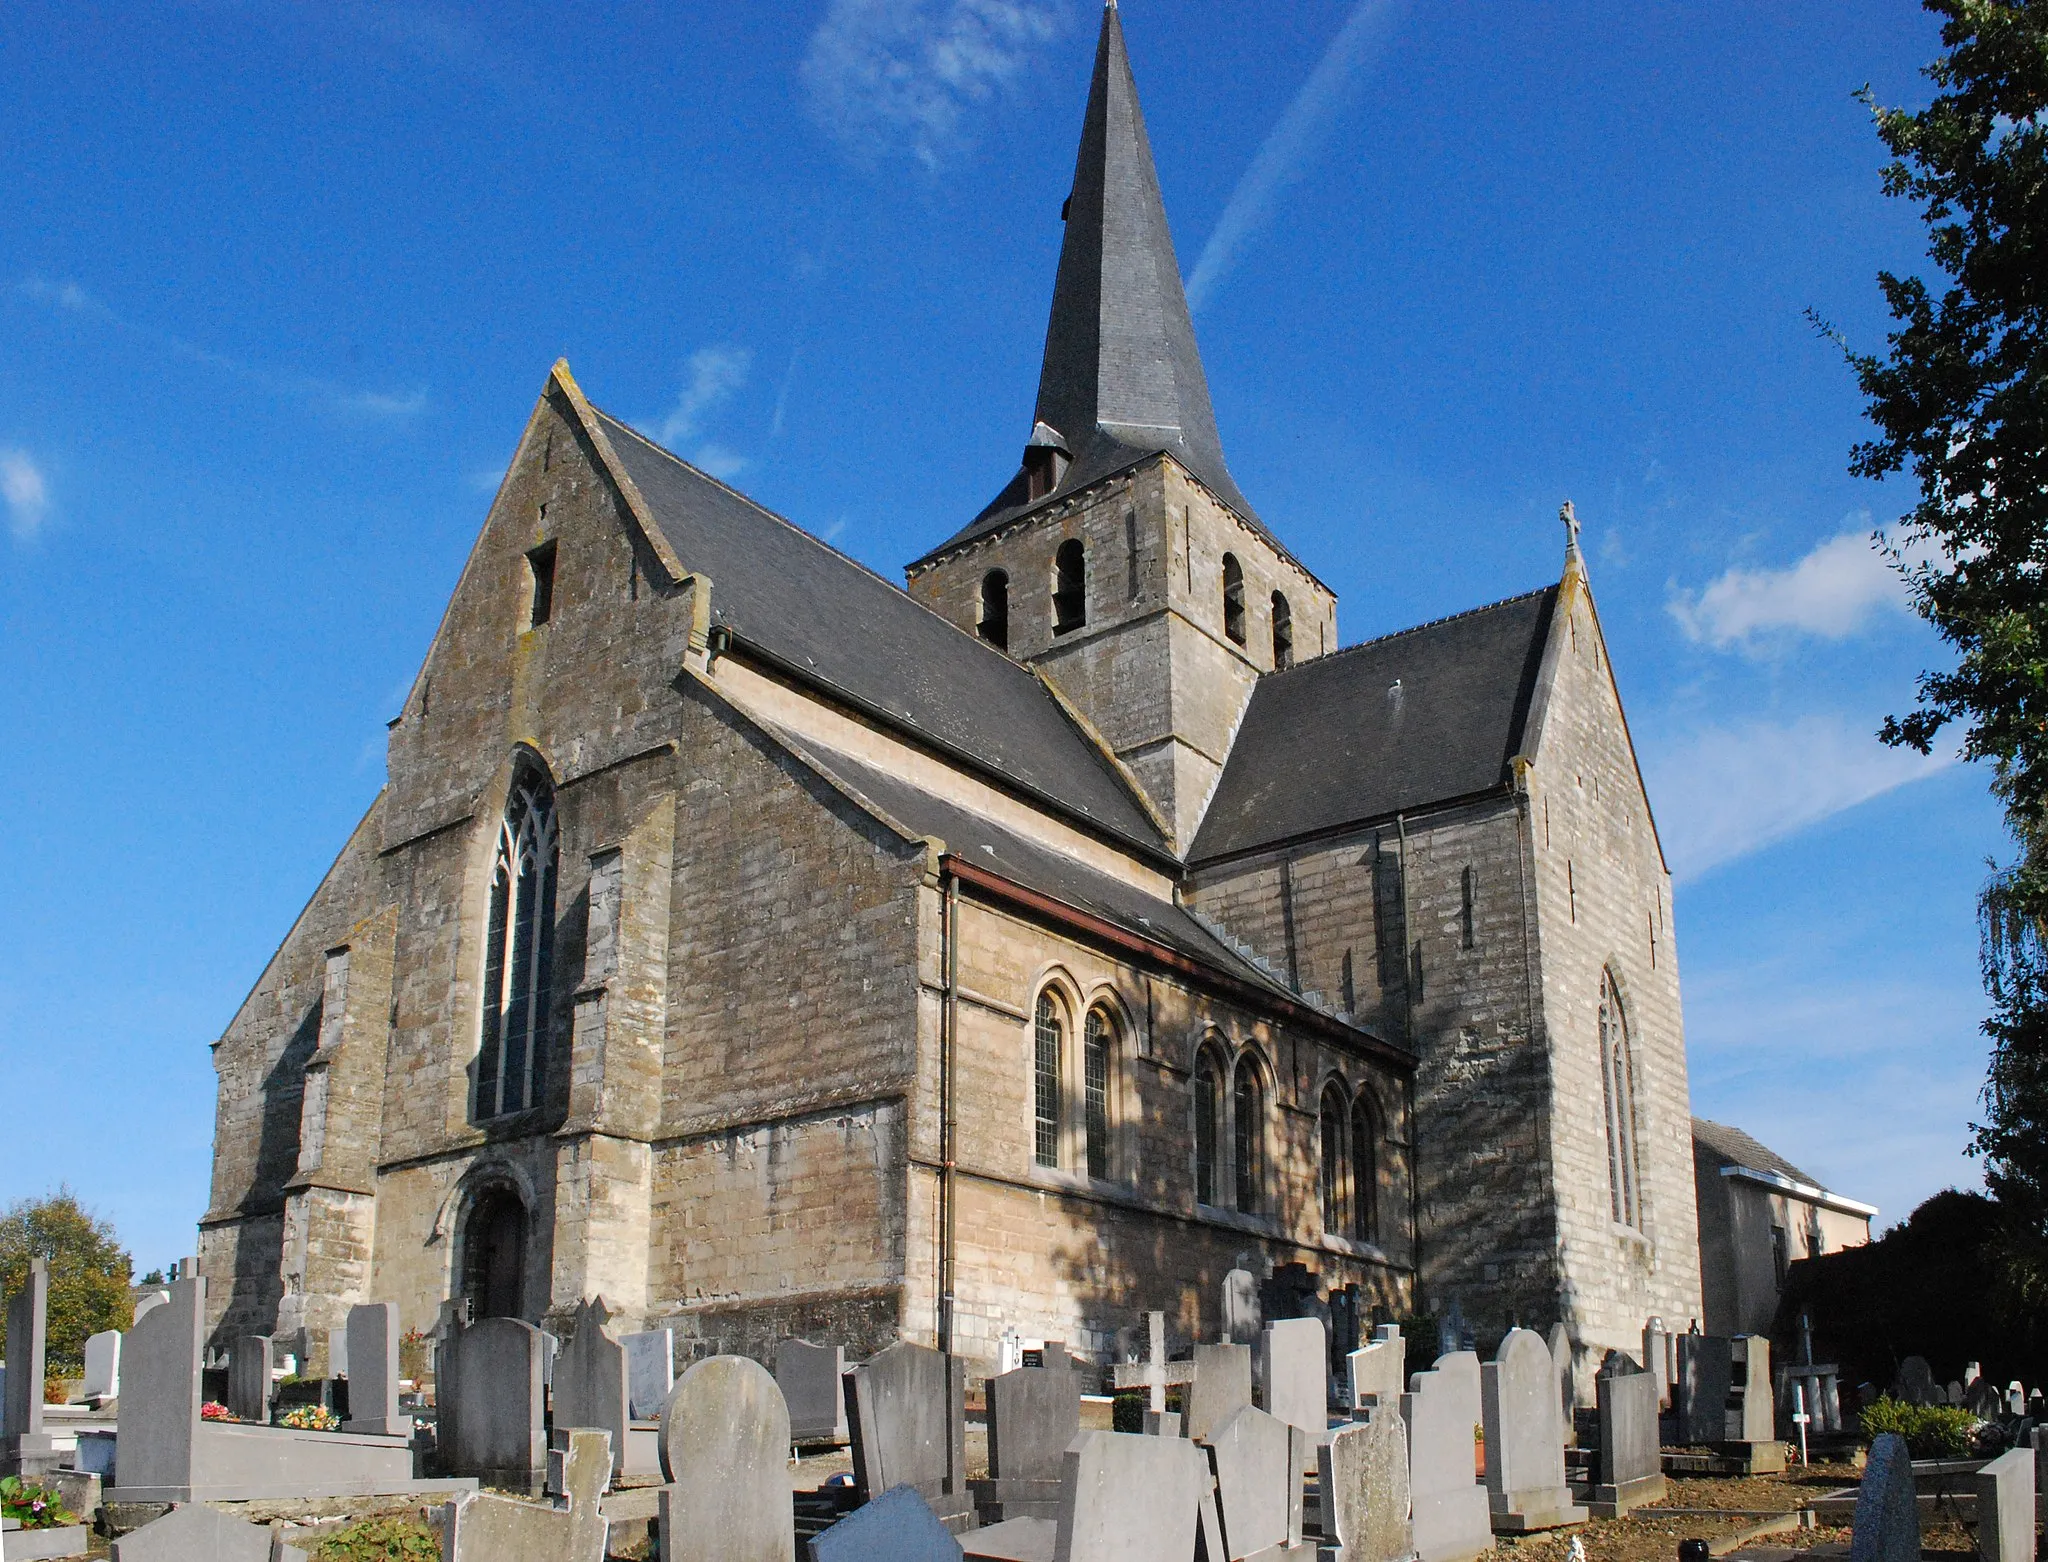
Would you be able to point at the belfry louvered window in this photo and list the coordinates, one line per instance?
(1618, 1086)
(1233, 599)
(1049, 1042)
(518, 953)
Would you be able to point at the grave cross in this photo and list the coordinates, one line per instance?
(1799, 1416)
(1155, 1374)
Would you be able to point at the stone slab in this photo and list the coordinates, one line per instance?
(1013, 1540)
(812, 1379)
(1249, 1456)
(590, 1387)
(249, 1380)
(1294, 1373)
(1364, 1488)
(43, 1545)
(909, 1426)
(898, 1526)
(483, 1527)
(1378, 1371)
(725, 1451)
(1441, 1410)
(1130, 1499)
(1222, 1387)
(102, 1366)
(1704, 1362)
(372, 1335)
(492, 1403)
(1033, 1414)
(1525, 1481)
(197, 1533)
(2005, 1508)
(1629, 1451)
(650, 1371)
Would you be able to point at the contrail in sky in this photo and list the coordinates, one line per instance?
(1287, 150)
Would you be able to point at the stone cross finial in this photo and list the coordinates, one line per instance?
(1570, 517)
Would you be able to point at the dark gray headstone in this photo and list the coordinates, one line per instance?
(160, 1390)
(1631, 1468)
(1887, 1522)
(590, 1380)
(1915, 1382)
(812, 1381)
(650, 1371)
(492, 1403)
(249, 1378)
(898, 1526)
(27, 1319)
(725, 1451)
(1704, 1362)
(1033, 1413)
(372, 1355)
(909, 1426)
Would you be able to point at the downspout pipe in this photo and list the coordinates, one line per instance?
(949, 1124)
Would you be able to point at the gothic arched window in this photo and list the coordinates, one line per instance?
(1098, 1053)
(1208, 1114)
(995, 610)
(1333, 1178)
(1248, 1136)
(1048, 1047)
(1233, 599)
(1283, 634)
(1618, 1086)
(519, 952)
(1070, 587)
(1365, 1171)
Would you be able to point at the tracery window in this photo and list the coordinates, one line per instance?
(1070, 587)
(995, 610)
(1334, 1170)
(519, 952)
(1248, 1137)
(1233, 599)
(1283, 634)
(1618, 1086)
(1098, 1046)
(1049, 1038)
(1208, 1112)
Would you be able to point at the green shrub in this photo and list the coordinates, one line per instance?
(381, 1540)
(1930, 1431)
(33, 1506)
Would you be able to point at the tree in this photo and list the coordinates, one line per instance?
(88, 1271)
(1961, 398)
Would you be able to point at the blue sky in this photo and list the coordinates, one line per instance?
(283, 280)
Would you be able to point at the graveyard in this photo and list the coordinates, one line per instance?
(1295, 1441)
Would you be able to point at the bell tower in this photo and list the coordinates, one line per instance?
(1120, 560)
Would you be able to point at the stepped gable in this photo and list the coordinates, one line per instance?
(1122, 378)
(1333, 742)
(783, 592)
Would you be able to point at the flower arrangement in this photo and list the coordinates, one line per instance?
(214, 1410)
(33, 1506)
(310, 1418)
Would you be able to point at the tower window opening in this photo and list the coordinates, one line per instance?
(995, 610)
(1233, 599)
(1283, 634)
(540, 564)
(1070, 587)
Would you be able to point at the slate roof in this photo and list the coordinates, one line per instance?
(782, 590)
(1416, 718)
(1733, 1147)
(1121, 379)
(978, 839)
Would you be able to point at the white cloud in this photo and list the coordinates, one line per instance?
(1730, 791)
(900, 75)
(1831, 593)
(720, 462)
(26, 492)
(714, 374)
(1288, 148)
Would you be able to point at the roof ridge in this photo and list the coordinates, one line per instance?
(1412, 629)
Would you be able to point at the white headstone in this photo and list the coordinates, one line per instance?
(1222, 1387)
(1294, 1374)
(728, 1428)
(1524, 1444)
(1364, 1488)
(2005, 1508)
(103, 1365)
(1241, 1312)
(650, 1371)
(1255, 1489)
(1379, 1369)
(1442, 1414)
(1130, 1499)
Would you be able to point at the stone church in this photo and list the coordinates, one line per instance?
(773, 950)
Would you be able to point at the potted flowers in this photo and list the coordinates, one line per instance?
(38, 1523)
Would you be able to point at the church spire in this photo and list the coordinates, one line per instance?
(1122, 377)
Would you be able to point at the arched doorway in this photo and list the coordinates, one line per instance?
(494, 1255)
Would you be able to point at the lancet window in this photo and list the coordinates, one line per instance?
(1618, 1087)
(519, 952)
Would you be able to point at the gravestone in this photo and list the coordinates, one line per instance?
(1631, 1468)
(1377, 1370)
(103, 1366)
(1567, 1395)
(492, 1403)
(1983, 1400)
(1364, 1488)
(1130, 1499)
(897, 1526)
(483, 1527)
(725, 1449)
(1750, 1409)
(1155, 1374)
(1258, 1495)
(907, 1411)
(1704, 1361)
(811, 1378)
(1887, 1522)
(148, 1303)
(2015, 1399)
(1242, 1316)
(1441, 1411)
(249, 1378)
(1222, 1387)
(651, 1372)
(1953, 1394)
(1033, 1414)
(1657, 1359)
(2005, 1508)
(371, 1351)
(25, 1448)
(1525, 1482)
(1294, 1374)
(194, 1532)
(590, 1380)
(1915, 1382)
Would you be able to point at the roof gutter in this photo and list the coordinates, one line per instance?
(1805, 1191)
(1103, 931)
